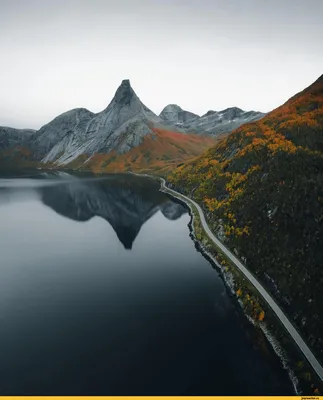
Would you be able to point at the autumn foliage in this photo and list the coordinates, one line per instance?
(159, 153)
(262, 192)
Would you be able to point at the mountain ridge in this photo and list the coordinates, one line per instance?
(212, 122)
(175, 114)
(78, 138)
(95, 133)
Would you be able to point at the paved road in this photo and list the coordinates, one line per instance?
(271, 302)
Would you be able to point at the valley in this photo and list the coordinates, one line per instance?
(258, 186)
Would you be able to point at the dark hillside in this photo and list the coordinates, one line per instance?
(262, 191)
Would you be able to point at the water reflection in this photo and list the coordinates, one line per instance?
(126, 202)
(82, 316)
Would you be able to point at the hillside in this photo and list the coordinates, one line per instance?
(262, 192)
(159, 153)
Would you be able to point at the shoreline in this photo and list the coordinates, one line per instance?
(230, 275)
(242, 288)
(229, 282)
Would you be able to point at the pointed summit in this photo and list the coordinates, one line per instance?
(124, 93)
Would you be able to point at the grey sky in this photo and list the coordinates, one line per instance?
(200, 54)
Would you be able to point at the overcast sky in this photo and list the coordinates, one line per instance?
(200, 54)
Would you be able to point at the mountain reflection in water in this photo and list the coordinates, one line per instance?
(82, 315)
(126, 202)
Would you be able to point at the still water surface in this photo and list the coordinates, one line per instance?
(102, 292)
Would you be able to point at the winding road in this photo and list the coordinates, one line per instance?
(262, 291)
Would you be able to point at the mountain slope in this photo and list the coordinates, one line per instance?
(10, 137)
(262, 191)
(223, 121)
(121, 126)
(78, 136)
(14, 146)
(160, 152)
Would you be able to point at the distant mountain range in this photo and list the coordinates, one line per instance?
(80, 139)
(213, 122)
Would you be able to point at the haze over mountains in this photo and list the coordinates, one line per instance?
(76, 137)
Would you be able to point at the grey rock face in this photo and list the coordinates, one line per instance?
(210, 112)
(10, 137)
(223, 121)
(120, 127)
(61, 135)
(176, 115)
(213, 122)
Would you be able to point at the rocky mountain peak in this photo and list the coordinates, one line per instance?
(232, 109)
(172, 107)
(232, 112)
(175, 114)
(210, 112)
(124, 93)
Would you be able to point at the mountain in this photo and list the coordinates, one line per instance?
(223, 121)
(10, 137)
(121, 126)
(174, 114)
(14, 146)
(126, 135)
(212, 122)
(79, 138)
(262, 191)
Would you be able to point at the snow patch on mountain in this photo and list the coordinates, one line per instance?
(121, 126)
(213, 122)
(176, 115)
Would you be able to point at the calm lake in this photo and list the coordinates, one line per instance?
(102, 292)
